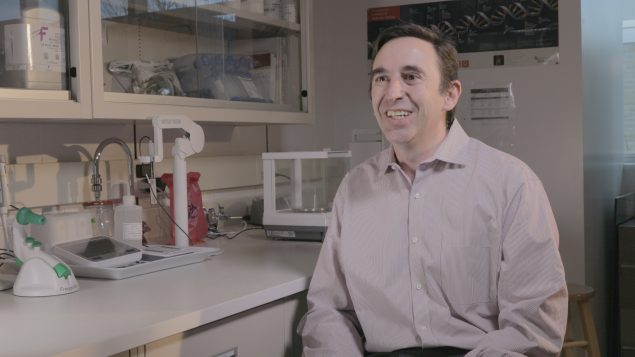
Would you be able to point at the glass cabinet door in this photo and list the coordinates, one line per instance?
(236, 54)
(33, 51)
(40, 55)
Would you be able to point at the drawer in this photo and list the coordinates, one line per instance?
(626, 245)
(627, 288)
(627, 327)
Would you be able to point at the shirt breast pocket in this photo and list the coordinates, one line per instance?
(466, 275)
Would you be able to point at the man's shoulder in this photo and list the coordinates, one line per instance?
(373, 165)
(493, 160)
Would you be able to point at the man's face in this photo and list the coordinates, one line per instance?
(405, 91)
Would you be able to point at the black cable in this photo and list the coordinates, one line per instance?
(234, 235)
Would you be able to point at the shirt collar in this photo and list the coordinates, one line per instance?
(453, 149)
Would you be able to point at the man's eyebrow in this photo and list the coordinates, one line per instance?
(412, 68)
(377, 71)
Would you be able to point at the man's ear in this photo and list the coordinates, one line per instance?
(452, 95)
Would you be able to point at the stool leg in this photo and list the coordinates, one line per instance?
(566, 352)
(589, 328)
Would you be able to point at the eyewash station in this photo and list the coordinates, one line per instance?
(102, 295)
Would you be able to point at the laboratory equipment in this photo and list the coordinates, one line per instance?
(4, 210)
(190, 143)
(154, 258)
(96, 178)
(41, 274)
(100, 252)
(299, 188)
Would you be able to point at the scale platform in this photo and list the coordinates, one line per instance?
(154, 258)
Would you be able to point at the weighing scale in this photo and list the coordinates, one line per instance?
(299, 188)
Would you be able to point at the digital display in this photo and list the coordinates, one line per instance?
(98, 248)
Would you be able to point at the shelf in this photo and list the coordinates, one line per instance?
(244, 24)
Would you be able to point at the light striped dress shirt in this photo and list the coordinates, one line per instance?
(464, 256)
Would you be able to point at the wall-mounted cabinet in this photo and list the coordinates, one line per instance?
(230, 61)
(44, 59)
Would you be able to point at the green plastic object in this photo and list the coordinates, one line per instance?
(62, 270)
(26, 216)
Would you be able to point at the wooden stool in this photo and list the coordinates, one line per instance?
(581, 295)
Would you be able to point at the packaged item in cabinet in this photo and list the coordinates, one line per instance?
(255, 6)
(269, 72)
(273, 8)
(290, 11)
(143, 77)
(234, 4)
(218, 76)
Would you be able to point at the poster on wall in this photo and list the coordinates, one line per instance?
(487, 33)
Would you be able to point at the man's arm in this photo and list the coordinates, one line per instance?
(532, 295)
(330, 327)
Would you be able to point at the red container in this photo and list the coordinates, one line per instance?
(196, 221)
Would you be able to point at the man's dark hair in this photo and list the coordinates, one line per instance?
(447, 55)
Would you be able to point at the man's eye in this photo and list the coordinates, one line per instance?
(381, 79)
(409, 77)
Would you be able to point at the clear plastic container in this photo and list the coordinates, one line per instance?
(129, 222)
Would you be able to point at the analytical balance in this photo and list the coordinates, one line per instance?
(299, 188)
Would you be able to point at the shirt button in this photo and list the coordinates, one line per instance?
(415, 239)
(418, 286)
(417, 195)
(419, 338)
(423, 328)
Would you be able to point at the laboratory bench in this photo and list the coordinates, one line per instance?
(244, 302)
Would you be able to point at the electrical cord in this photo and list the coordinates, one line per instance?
(226, 235)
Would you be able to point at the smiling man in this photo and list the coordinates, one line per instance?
(439, 245)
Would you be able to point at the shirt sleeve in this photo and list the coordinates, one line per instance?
(330, 327)
(532, 293)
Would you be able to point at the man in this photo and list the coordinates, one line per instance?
(440, 245)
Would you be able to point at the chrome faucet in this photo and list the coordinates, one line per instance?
(96, 179)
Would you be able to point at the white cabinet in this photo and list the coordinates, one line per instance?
(228, 61)
(268, 330)
(44, 59)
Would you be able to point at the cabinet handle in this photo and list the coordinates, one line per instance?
(304, 93)
(73, 72)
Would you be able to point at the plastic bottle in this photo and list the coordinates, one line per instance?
(128, 222)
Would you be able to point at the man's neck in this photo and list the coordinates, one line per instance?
(411, 155)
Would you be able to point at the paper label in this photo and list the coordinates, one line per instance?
(132, 232)
(35, 46)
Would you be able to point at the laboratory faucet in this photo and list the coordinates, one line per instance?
(96, 179)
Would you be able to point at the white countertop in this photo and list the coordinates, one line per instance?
(109, 316)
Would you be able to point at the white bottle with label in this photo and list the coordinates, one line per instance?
(129, 222)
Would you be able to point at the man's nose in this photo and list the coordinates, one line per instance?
(395, 89)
